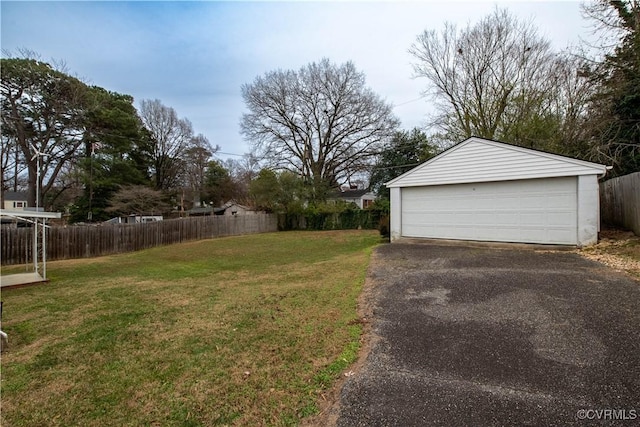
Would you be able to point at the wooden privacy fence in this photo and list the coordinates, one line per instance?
(620, 202)
(92, 241)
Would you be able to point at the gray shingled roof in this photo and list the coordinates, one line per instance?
(351, 194)
(15, 195)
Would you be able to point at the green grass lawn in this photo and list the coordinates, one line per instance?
(232, 331)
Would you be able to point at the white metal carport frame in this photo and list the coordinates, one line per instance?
(39, 251)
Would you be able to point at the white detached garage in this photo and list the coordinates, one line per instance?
(491, 191)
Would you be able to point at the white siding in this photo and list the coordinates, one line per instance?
(529, 211)
(588, 210)
(480, 160)
(395, 224)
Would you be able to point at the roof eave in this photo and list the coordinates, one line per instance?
(598, 169)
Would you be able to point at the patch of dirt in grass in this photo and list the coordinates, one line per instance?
(618, 249)
(26, 352)
(142, 400)
(338, 236)
(44, 392)
(175, 300)
(70, 263)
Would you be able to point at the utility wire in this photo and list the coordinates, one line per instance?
(391, 146)
(388, 146)
(410, 101)
(99, 133)
(228, 154)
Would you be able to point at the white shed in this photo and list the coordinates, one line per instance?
(491, 191)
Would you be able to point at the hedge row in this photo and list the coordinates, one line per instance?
(350, 219)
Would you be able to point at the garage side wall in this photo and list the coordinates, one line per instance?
(588, 210)
(395, 222)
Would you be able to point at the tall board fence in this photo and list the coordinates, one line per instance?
(620, 202)
(92, 241)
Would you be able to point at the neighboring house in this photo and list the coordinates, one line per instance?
(491, 191)
(233, 208)
(229, 208)
(15, 200)
(134, 219)
(361, 198)
(200, 211)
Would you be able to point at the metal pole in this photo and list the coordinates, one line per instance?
(37, 182)
(35, 232)
(90, 213)
(35, 246)
(37, 222)
(44, 249)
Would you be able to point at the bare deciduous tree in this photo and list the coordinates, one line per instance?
(486, 78)
(611, 21)
(10, 163)
(614, 119)
(170, 137)
(573, 91)
(138, 199)
(321, 121)
(242, 172)
(196, 159)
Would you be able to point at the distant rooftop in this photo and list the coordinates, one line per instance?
(352, 194)
(15, 195)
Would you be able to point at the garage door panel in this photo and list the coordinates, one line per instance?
(486, 219)
(534, 211)
(535, 201)
(505, 219)
(532, 219)
(559, 219)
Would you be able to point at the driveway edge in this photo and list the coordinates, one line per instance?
(329, 406)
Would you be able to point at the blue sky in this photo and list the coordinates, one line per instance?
(195, 56)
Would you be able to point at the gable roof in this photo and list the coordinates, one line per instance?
(232, 203)
(15, 195)
(201, 210)
(351, 194)
(481, 160)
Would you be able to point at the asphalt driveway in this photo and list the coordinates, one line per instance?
(474, 336)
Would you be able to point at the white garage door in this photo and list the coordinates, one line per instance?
(530, 211)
